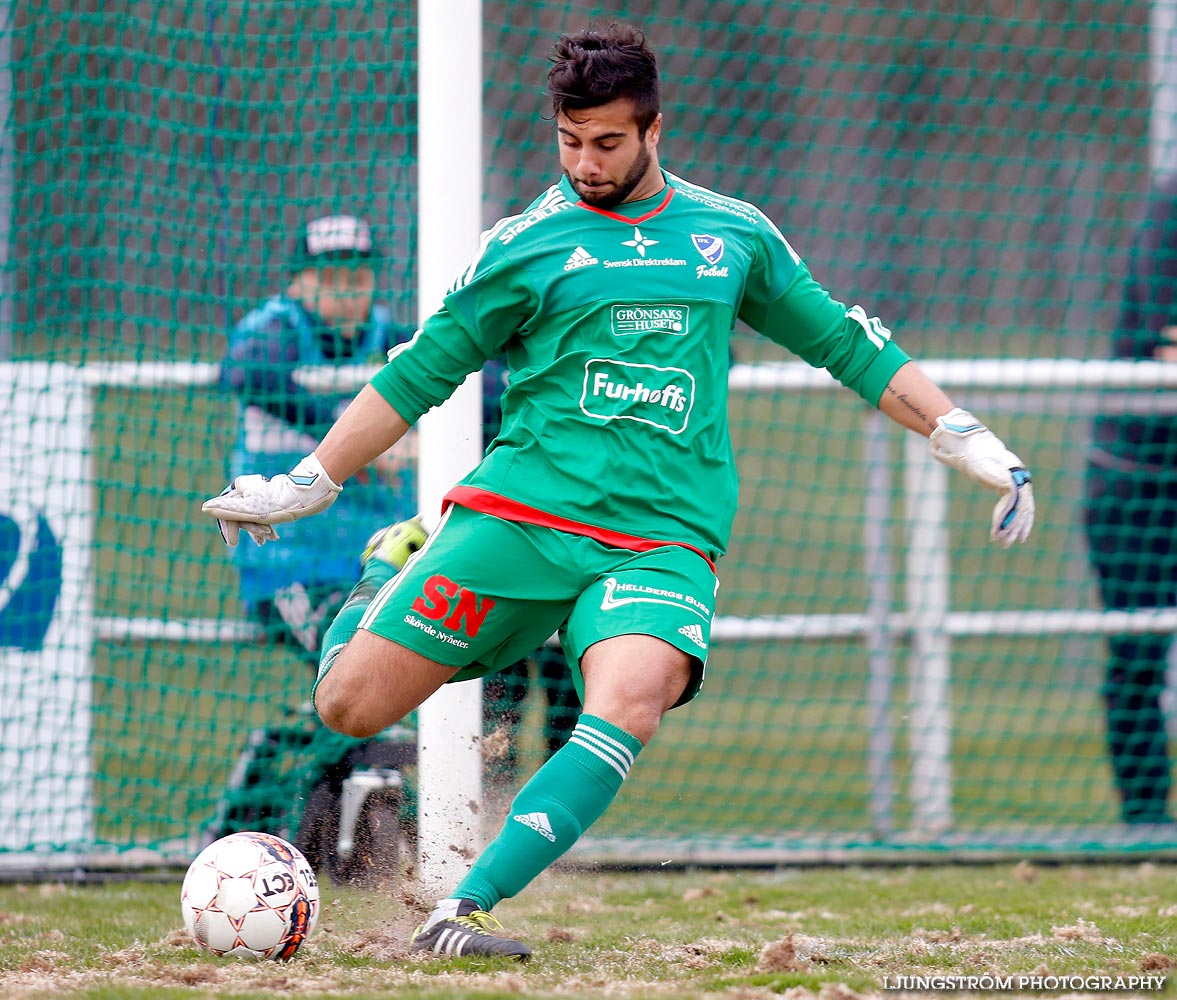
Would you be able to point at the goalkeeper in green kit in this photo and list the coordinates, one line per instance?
(603, 505)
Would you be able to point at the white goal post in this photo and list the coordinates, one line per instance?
(449, 180)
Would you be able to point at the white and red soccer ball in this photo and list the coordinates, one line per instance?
(250, 895)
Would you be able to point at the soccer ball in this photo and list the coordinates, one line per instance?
(250, 895)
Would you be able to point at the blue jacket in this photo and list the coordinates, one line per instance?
(280, 422)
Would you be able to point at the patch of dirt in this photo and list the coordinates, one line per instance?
(497, 744)
(44, 961)
(936, 935)
(384, 944)
(1025, 872)
(698, 954)
(1082, 931)
(778, 956)
(797, 993)
(764, 993)
(839, 991)
(195, 975)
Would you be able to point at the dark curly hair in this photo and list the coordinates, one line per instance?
(591, 68)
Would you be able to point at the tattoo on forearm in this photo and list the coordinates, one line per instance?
(915, 409)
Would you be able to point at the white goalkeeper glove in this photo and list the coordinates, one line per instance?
(231, 531)
(255, 503)
(962, 441)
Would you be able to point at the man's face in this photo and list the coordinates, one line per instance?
(603, 156)
(341, 296)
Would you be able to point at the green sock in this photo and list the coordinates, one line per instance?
(552, 810)
(347, 622)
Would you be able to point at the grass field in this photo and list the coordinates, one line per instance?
(837, 933)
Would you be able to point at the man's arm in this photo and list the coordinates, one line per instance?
(474, 324)
(370, 425)
(364, 431)
(913, 400)
(784, 302)
(959, 439)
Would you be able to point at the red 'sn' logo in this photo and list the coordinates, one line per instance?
(441, 597)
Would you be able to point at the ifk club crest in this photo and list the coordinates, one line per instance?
(710, 247)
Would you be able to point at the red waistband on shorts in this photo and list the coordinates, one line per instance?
(497, 505)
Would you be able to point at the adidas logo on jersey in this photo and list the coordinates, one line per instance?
(695, 634)
(538, 822)
(580, 257)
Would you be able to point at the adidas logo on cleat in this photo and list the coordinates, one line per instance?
(695, 634)
(458, 928)
(538, 822)
(580, 257)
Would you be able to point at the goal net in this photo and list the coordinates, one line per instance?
(882, 680)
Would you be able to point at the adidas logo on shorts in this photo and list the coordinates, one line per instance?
(695, 634)
(580, 257)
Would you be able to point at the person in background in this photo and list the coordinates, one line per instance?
(326, 315)
(1130, 517)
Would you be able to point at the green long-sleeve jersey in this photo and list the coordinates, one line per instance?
(616, 328)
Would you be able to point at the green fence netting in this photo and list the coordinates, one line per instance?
(974, 175)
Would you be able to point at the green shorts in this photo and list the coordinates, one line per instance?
(483, 593)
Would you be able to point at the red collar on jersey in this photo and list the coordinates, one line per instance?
(624, 218)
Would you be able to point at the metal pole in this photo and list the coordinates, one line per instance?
(928, 579)
(1162, 38)
(449, 136)
(879, 642)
